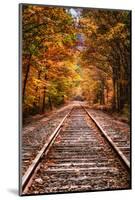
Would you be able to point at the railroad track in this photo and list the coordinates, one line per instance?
(78, 156)
(34, 137)
(119, 132)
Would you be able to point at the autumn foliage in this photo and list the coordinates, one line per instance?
(65, 55)
(107, 56)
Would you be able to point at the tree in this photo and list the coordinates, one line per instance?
(108, 49)
(48, 37)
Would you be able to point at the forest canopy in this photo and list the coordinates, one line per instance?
(75, 53)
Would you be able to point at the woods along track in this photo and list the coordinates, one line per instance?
(79, 156)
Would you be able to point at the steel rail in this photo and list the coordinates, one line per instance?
(28, 174)
(110, 141)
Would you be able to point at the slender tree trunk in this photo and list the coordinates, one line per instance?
(44, 95)
(26, 76)
(114, 94)
(102, 101)
(118, 96)
(50, 103)
(37, 97)
(123, 94)
(43, 105)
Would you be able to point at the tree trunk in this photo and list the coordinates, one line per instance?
(123, 94)
(44, 95)
(50, 103)
(37, 97)
(43, 105)
(102, 96)
(118, 96)
(26, 77)
(114, 94)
